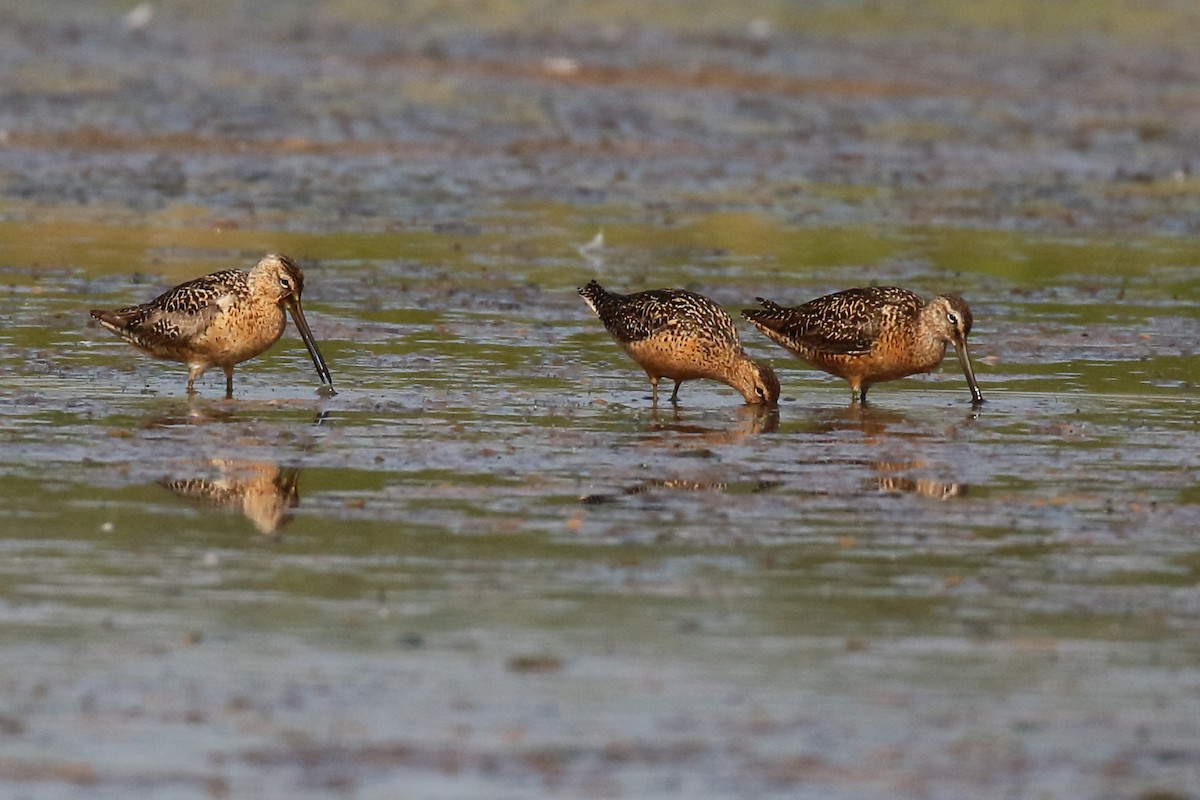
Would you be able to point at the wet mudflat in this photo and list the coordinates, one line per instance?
(487, 567)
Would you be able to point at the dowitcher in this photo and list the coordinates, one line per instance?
(677, 334)
(219, 320)
(873, 334)
(263, 492)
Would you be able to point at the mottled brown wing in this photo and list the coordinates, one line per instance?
(180, 314)
(835, 324)
(660, 310)
(844, 323)
(638, 316)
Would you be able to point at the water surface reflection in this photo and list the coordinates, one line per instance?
(263, 492)
(749, 421)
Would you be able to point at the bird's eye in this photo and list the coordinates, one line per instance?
(285, 283)
(758, 390)
(952, 318)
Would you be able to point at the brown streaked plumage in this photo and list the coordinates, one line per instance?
(219, 320)
(677, 334)
(262, 491)
(872, 334)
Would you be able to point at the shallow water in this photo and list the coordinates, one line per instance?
(488, 567)
(487, 564)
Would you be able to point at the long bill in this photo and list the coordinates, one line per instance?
(302, 325)
(964, 358)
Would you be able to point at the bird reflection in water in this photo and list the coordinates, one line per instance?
(671, 431)
(195, 411)
(880, 424)
(891, 481)
(751, 420)
(670, 485)
(263, 492)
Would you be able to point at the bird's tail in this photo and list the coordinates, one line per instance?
(600, 300)
(768, 314)
(108, 319)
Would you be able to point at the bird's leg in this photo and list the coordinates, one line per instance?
(858, 393)
(228, 382)
(194, 371)
(675, 394)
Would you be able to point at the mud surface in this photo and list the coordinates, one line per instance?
(487, 568)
